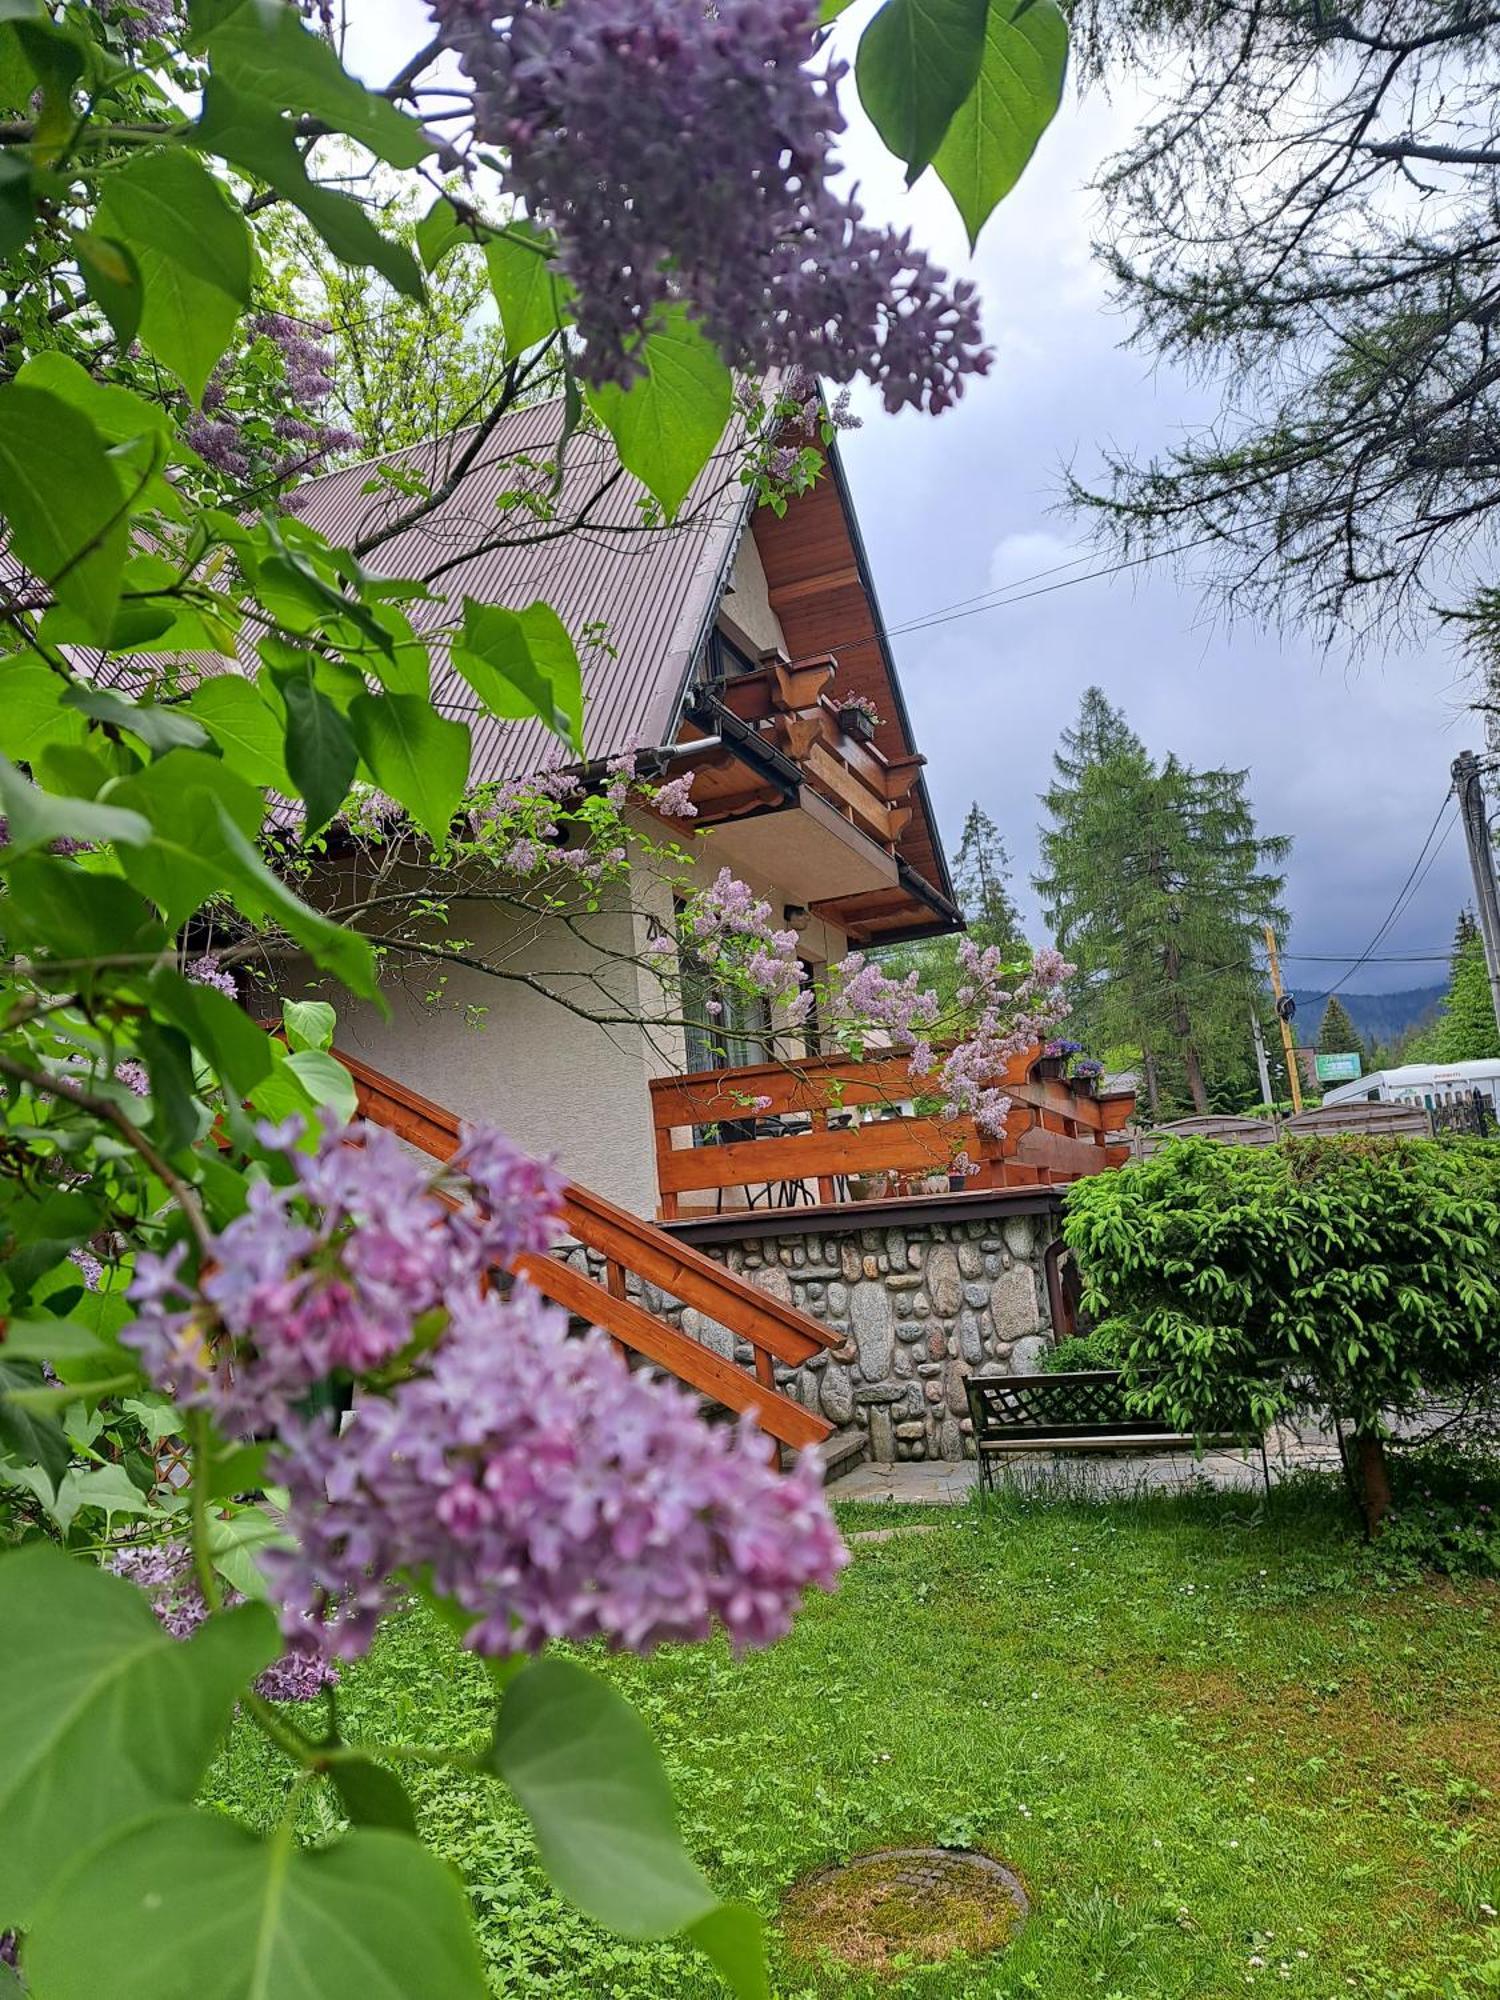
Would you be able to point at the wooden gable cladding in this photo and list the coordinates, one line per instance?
(820, 591)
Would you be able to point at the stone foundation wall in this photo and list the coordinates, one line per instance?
(918, 1308)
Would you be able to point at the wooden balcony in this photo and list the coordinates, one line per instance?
(772, 747)
(827, 1130)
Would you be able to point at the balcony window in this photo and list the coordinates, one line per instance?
(723, 659)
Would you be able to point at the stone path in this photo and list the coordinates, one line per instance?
(943, 1482)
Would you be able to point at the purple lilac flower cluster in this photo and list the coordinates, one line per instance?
(64, 846)
(521, 823)
(217, 434)
(327, 1275)
(686, 152)
(1003, 1022)
(998, 1021)
(536, 1482)
(134, 1076)
(866, 996)
(552, 1495)
(731, 930)
(206, 971)
(143, 21)
(166, 1576)
(674, 799)
(89, 1266)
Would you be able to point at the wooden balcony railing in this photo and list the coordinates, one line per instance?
(631, 1248)
(831, 1129)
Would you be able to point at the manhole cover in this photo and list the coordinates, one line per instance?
(918, 1905)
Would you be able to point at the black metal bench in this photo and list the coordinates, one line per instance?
(1083, 1411)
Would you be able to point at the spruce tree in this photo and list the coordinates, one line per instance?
(981, 880)
(1156, 884)
(1465, 1030)
(1337, 1034)
(981, 883)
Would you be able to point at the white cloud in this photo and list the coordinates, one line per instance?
(1020, 558)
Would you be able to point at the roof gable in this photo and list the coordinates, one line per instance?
(823, 594)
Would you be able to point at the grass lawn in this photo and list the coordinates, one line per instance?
(1222, 1755)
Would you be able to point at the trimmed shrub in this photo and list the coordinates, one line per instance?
(1354, 1275)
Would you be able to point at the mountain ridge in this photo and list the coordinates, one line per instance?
(1379, 1017)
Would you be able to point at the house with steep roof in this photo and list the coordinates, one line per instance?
(777, 1224)
(724, 645)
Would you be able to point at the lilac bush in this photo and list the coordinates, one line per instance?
(672, 167)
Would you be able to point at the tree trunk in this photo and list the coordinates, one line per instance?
(1148, 1066)
(1183, 1028)
(1374, 1480)
(1195, 1081)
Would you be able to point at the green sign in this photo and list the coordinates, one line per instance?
(1339, 1069)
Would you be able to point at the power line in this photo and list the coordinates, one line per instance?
(1404, 895)
(999, 589)
(1434, 957)
(949, 614)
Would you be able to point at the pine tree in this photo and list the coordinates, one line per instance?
(981, 879)
(1156, 884)
(1337, 1034)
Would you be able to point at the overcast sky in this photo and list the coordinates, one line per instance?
(1350, 759)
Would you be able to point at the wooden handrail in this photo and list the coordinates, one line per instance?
(778, 1416)
(686, 1274)
(773, 1328)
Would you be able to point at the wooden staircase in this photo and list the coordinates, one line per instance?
(630, 1248)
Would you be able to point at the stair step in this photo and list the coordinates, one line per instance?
(842, 1452)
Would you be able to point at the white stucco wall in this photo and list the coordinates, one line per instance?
(494, 1049)
(747, 603)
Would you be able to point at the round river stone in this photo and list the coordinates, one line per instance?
(904, 1906)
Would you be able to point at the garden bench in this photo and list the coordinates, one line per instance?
(1079, 1411)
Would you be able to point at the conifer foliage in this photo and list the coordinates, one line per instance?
(1337, 1034)
(1465, 1029)
(1156, 883)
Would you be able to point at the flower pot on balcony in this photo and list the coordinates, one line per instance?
(1049, 1066)
(1085, 1086)
(957, 1183)
(856, 723)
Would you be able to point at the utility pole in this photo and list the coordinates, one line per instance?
(1285, 1008)
(1482, 861)
(1260, 1059)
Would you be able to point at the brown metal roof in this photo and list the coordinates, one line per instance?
(648, 591)
(636, 597)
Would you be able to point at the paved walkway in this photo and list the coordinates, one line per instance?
(941, 1482)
